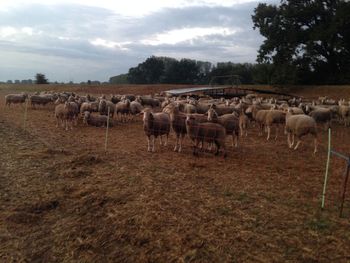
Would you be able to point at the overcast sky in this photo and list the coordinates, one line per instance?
(77, 40)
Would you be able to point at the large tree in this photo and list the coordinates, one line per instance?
(306, 40)
(41, 79)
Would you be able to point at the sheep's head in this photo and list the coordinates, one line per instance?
(146, 113)
(86, 116)
(212, 114)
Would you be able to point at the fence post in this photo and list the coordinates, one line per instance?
(327, 168)
(25, 115)
(344, 187)
(106, 139)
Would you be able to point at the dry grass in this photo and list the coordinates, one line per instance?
(63, 199)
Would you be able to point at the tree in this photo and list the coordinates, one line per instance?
(40, 79)
(307, 41)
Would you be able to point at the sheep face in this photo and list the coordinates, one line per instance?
(211, 114)
(86, 116)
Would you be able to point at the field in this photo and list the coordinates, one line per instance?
(63, 199)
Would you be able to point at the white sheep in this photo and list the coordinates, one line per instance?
(154, 125)
(300, 125)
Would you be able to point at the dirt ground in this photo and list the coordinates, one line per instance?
(63, 199)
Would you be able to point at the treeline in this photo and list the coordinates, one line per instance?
(166, 70)
(306, 42)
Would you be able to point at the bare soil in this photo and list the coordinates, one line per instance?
(63, 199)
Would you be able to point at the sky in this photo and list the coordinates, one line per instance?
(80, 40)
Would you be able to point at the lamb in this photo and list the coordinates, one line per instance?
(208, 132)
(300, 125)
(154, 125)
(15, 98)
(97, 120)
(229, 121)
(103, 107)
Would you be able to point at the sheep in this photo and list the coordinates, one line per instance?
(97, 120)
(154, 125)
(202, 108)
(272, 117)
(300, 125)
(123, 108)
(115, 99)
(40, 100)
(243, 123)
(178, 124)
(208, 132)
(65, 113)
(296, 110)
(229, 121)
(135, 108)
(89, 106)
(148, 101)
(344, 112)
(165, 103)
(103, 107)
(15, 99)
(189, 108)
(223, 109)
(323, 116)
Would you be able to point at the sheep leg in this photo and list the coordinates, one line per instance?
(268, 133)
(277, 128)
(297, 145)
(154, 138)
(315, 143)
(176, 142)
(241, 130)
(293, 136)
(166, 140)
(236, 140)
(181, 140)
(161, 140)
(195, 145)
(148, 144)
(288, 140)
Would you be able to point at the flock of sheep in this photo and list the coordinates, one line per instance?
(203, 119)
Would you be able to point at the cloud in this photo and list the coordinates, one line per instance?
(101, 42)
